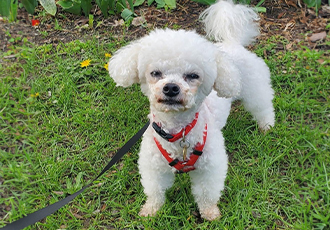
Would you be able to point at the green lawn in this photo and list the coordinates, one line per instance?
(61, 123)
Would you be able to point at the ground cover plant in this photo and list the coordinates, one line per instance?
(62, 118)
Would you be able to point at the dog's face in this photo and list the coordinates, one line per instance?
(174, 85)
(176, 69)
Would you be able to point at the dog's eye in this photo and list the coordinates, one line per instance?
(191, 76)
(156, 73)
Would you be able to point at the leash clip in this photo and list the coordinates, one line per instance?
(185, 145)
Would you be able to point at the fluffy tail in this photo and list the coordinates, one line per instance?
(229, 23)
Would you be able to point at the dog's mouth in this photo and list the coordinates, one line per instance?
(170, 101)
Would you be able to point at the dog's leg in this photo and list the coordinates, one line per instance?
(257, 93)
(207, 185)
(156, 175)
(258, 101)
(155, 184)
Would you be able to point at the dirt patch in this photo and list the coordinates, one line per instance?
(287, 18)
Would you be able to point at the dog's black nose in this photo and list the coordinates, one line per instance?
(171, 89)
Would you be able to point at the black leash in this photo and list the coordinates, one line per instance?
(42, 213)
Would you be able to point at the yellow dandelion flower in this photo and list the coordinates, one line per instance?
(107, 55)
(85, 63)
(106, 66)
(34, 95)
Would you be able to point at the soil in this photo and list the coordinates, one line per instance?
(288, 18)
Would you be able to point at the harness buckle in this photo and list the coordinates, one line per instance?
(161, 132)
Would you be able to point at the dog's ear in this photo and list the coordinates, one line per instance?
(228, 81)
(123, 65)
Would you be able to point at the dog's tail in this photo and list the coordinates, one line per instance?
(229, 23)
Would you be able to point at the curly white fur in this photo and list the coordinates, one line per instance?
(207, 77)
(225, 21)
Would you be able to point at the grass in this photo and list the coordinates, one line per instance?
(61, 123)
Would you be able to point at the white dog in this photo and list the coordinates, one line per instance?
(190, 83)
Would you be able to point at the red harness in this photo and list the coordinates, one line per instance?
(175, 137)
(187, 165)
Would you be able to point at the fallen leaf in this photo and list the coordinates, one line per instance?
(289, 24)
(10, 56)
(289, 46)
(265, 53)
(280, 15)
(303, 18)
(321, 61)
(78, 216)
(291, 3)
(311, 12)
(326, 9)
(99, 184)
(119, 23)
(114, 212)
(58, 192)
(96, 211)
(256, 214)
(318, 36)
(81, 21)
(196, 214)
(138, 21)
(104, 206)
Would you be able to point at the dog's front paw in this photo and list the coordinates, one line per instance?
(149, 209)
(211, 213)
(266, 122)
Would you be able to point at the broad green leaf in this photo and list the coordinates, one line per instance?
(123, 3)
(150, 2)
(86, 5)
(30, 5)
(70, 6)
(119, 7)
(112, 5)
(171, 3)
(5, 8)
(75, 9)
(205, 2)
(160, 3)
(104, 6)
(127, 14)
(131, 5)
(310, 3)
(261, 9)
(259, 3)
(13, 10)
(49, 6)
(65, 4)
(138, 2)
(318, 4)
